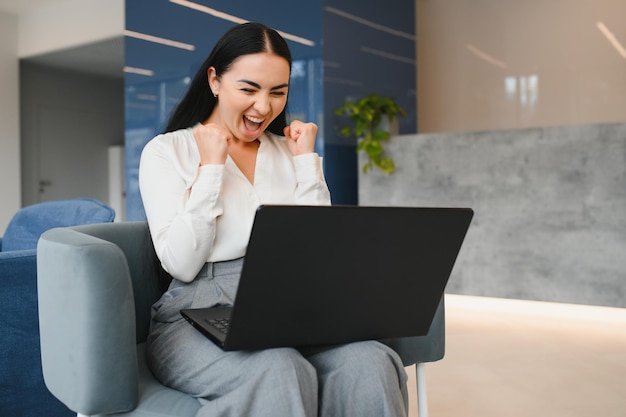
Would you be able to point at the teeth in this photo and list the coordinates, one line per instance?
(254, 119)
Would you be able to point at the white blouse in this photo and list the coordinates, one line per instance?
(199, 214)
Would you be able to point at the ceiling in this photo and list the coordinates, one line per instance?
(105, 58)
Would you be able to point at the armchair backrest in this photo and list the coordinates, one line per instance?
(96, 286)
(28, 223)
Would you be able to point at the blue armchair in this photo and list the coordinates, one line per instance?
(22, 389)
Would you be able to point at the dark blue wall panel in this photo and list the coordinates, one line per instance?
(150, 99)
(369, 47)
(357, 49)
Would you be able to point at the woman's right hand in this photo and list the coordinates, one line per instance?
(212, 141)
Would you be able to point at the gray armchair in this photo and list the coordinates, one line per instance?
(96, 285)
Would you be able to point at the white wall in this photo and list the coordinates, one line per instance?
(69, 24)
(10, 184)
(64, 25)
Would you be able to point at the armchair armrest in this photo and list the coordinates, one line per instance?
(428, 348)
(87, 322)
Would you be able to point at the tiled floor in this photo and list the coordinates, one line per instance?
(510, 358)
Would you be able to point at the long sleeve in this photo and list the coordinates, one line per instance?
(205, 214)
(182, 202)
(311, 188)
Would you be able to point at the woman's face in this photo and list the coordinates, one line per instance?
(251, 94)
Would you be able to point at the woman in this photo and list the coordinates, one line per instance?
(227, 149)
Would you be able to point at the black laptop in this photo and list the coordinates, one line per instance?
(327, 275)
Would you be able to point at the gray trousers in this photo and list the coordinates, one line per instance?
(358, 379)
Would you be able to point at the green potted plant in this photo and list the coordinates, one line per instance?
(367, 115)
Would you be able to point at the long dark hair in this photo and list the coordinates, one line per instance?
(247, 38)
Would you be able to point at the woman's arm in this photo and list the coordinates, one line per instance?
(182, 202)
(312, 188)
(311, 185)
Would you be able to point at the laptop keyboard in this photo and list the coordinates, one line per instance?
(221, 324)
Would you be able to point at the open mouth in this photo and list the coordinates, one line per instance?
(252, 123)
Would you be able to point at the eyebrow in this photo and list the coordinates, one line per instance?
(257, 85)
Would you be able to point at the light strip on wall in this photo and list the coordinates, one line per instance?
(539, 309)
(612, 39)
(156, 39)
(235, 19)
(387, 55)
(147, 97)
(369, 23)
(485, 56)
(343, 81)
(140, 71)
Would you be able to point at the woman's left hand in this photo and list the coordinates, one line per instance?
(301, 137)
